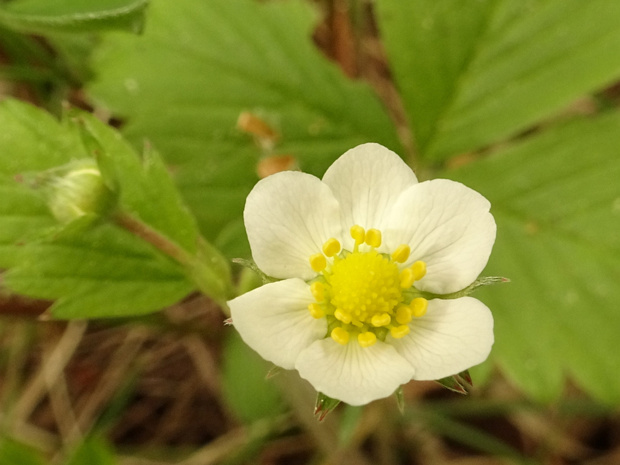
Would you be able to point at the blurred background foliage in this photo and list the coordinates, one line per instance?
(517, 99)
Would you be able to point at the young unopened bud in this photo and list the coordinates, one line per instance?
(78, 191)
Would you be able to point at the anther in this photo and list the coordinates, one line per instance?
(373, 238)
(316, 311)
(419, 306)
(401, 254)
(340, 335)
(318, 262)
(399, 331)
(381, 319)
(358, 233)
(366, 339)
(404, 314)
(342, 316)
(419, 270)
(331, 247)
(407, 278)
(317, 289)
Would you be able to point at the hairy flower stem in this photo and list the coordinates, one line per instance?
(159, 241)
(207, 269)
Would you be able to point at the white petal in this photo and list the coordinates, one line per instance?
(367, 180)
(453, 336)
(274, 320)
(447, 225)
(288, 216)
(351, 373)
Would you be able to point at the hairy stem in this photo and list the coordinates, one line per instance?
(208, 269)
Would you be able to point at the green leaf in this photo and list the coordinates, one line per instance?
(150, 205)
(13, 452)
(22, 215)
(199, 65)
(103, 272)
(43, 16)
(556, 200)
(473, 73)
(31, 140)
(93, 271)
(93, 451)
(145, 186)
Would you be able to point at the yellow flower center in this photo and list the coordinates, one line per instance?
(363, 293)
(364, 286)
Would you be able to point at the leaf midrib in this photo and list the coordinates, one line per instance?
(463, 77)
(268, 83)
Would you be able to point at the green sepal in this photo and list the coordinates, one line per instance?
(460, 383)
(274, 371)
(324, 405)
(399, 395)
(480, 282)
(251, 265)
(466, 380)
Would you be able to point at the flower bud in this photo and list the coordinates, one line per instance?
(78, 192)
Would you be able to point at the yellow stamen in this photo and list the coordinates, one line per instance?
(331, 247)
(366, 339)
(406, 278)
(404, 314)
(419, 306)
(363, 293)
(381, 319)
(318, 262)
(401, 254)
(399, 331)
(317, 289)
(373, 238)
(340, 335)
(358, 233)
(342, 316)
(419, 270)
(316, 311)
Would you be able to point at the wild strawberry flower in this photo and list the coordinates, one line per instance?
(364, 256)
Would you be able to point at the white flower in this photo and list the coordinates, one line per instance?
(357, 253)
